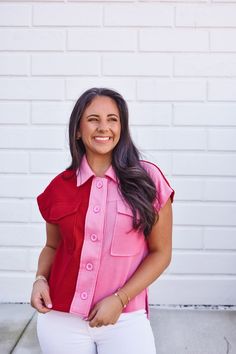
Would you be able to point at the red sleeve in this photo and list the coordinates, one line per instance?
(59, 198)
(45, 202)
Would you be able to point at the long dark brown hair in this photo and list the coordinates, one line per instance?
(135, 184)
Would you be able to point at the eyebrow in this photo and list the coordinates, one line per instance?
(97, 115)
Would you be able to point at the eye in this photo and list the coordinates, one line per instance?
(92, 119)
(114, 119)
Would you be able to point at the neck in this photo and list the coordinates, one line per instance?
(99, 164)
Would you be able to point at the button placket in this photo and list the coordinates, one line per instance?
(92, 247)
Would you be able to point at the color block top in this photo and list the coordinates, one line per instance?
(99, 249)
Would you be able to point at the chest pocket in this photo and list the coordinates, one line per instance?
(126, 241)
(65, 214)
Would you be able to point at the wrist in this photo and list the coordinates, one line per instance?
(40, 277)
(123, 297)
(120, 300)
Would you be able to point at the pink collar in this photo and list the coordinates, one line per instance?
(85, 172)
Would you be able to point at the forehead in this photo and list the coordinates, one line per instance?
(102, 104)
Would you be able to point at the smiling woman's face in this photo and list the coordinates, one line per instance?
(100, 127)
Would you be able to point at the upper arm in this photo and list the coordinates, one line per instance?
(53, 235)
(160, 238)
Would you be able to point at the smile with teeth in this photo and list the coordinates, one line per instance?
(102, 138)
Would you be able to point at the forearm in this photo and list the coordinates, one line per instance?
(45, 261)
(149, 270)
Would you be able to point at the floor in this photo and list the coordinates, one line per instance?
(176, 330)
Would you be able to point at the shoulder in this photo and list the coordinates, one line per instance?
(62, 183)
(156, 174)
(151, 168)
(66, 176)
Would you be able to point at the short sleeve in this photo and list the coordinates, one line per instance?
(164, 190)
(45, 202)
(59, 198)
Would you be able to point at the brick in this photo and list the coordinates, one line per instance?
(22, 235)
(100, 0)
(220, 238)
(51, 1)
(137, 64)
(65, 64)
(67, 15)
(33, 259)
(197, 291)
(222, 90)
(161, 159)
(205, 214)
(14, 162)
(206, 15)
(32, 138)
(30, 186)
(15, 15)
(202, 263)
(150, 114)
(32, 39)
(102, 40)
(13, 259)
(49, 162)
(51, 113)
(17, 65)
(173, 40)
(75, 87)
(8, 113)
(207, 114)
(170, 90)
(223, 189)
(223, 40)
(180, 1)
(32, 89)
(202, 164)
(138, 14)
(187, 238)
(205, 65)
(170, 138)
(188, 188)
(35, 216)
(14, 211)
(16, 286)
(222, 139)
(228, 1)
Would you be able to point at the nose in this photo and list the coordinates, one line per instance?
(103, 126)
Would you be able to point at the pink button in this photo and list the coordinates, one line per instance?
(99, 184)
(89, 266)
(84, 295)
(96, 209)
(93, 237)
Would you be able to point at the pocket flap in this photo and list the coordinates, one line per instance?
(62, 209)
(124, 208)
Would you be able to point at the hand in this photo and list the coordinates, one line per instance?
(105, 312)
(40, 298)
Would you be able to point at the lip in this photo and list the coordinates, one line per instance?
(102, 138)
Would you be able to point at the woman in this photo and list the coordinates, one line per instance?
(109, 224)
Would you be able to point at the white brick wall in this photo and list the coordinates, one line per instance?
(175, 63)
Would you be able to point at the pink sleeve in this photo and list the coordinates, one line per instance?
(164, 190)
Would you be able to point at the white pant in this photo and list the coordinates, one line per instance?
(63, 333)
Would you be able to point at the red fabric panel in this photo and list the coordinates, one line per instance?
(65, 204)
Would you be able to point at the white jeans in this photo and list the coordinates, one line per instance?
(63, 333)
